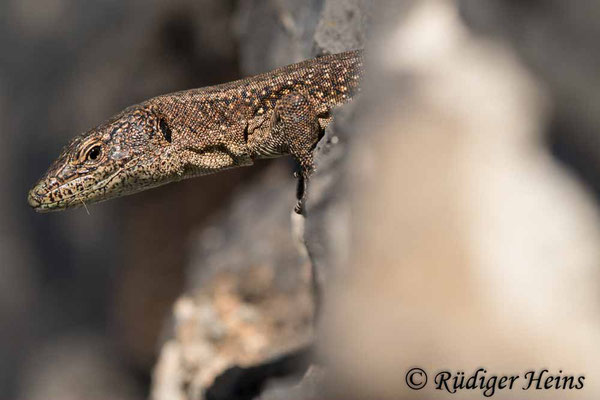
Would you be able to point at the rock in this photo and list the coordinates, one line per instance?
(558, 41)
(249, 305)
(464, 229)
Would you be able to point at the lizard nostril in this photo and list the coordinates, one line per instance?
(39, 190)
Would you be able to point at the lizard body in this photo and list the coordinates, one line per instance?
(202, 131)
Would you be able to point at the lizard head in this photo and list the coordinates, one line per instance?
(128, 153)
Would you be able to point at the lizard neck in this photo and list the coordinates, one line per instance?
(206, 129)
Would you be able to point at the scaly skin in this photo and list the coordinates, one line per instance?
(201, 131)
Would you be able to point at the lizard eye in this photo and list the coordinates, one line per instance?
(94, 153)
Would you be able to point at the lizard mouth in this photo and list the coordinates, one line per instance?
(39, 198)
(42, 199)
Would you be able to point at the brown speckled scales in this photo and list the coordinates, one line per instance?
(202, 131)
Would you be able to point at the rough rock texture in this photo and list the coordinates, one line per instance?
(343, 25)
(249, 310)
(275, 33)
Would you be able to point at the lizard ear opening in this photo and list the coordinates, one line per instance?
(165, 130)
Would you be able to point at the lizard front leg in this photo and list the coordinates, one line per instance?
(293, 129)
(295, 123)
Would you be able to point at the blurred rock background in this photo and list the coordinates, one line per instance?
(453, 218)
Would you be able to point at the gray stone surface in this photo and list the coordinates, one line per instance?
(343, 25)
(248, 299)
(275, 33)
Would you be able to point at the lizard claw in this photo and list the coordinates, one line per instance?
(300, 192)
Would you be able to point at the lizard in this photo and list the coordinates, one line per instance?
(202, 131)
